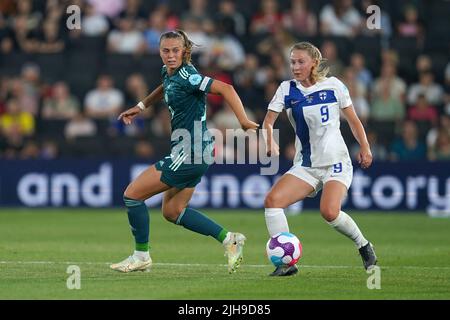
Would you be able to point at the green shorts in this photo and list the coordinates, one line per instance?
(180, 175)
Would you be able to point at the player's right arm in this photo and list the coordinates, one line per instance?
(272, 148)
(155, 96)
(276, 105)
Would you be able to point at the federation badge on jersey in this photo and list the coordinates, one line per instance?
(195, 79)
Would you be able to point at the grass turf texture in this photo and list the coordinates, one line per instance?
(37, 246)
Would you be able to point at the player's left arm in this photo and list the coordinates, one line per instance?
(231, 97)
(365, 155)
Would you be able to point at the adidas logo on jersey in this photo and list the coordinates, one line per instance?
(184, 74)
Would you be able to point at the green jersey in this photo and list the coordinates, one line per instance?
(185, 95)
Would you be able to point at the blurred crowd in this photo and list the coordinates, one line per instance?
(398, 75)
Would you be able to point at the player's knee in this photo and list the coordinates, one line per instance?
(273, 200)
(171, 212)
(130, 193)
(329, 212)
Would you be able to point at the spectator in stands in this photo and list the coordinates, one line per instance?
(196, 32)
(233, 21)
(358, 94)
(426, 85)
(300, 20)
(110, 8)
(408, 147)
(144, 150)
(410, 26)
(251, 73)
(50, 40)
(172, 18)
(363, 75)
(136, 89)
(422, 110)
(54, 10)
(80, 126)
(49, 150)
(60, 105)
(330, 53)
(127, 39)
(133, 10)
(33, 17)
(379, 152)
(444, 124)
(224, 50)
(267, 19)
(104, 102)
(28, 101)
(215, 101)
(16, 121)
(389, 56)
(441, 149)
(198, 9)
(160, 124)
(93, 23)
(280, 40)
(8, 7)
(4, 92)
(225, 118)
(23, 37)
(156, 27)
(30, 151)
(280, 65)
(340, 19)
(447, 89)
(423, 64)
(6, 42)
(388, 96)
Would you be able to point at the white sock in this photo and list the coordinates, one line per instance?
(227, 238)
(276, 221)
(141, 255)
(347, 226)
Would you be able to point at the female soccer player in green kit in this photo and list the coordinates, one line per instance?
(184, 91)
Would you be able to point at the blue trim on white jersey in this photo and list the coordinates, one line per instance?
(296, 100)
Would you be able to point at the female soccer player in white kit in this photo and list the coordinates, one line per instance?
(313, 103)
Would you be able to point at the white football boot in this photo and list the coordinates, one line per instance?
(234, 247)
(131, 264)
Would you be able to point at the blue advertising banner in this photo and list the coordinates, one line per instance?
(100, 183)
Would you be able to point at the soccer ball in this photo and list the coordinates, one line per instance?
(284, 249)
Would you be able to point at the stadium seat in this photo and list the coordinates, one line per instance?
(52, 66)
(150, 66)
(367, 46)
(119, 67)
(87, 44)
(51, 128)
(11, 63)
(85, 147)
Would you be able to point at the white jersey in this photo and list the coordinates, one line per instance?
(314, 114)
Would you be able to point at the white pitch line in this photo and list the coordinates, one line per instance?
(223, 265)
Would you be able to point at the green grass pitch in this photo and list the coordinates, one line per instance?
(38, 245)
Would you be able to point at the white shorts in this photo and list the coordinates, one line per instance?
(317, 177)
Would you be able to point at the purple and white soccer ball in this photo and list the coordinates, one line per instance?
(284, 249)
